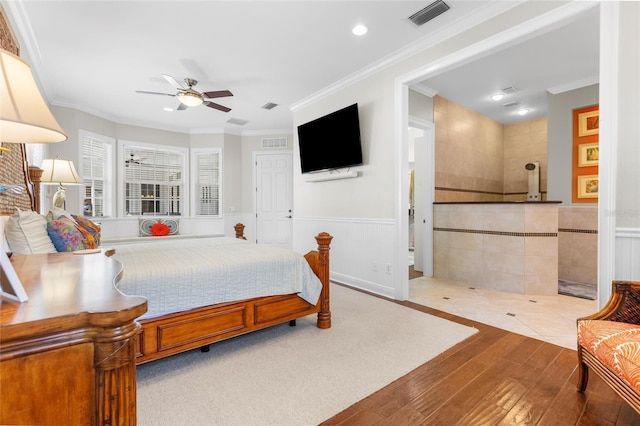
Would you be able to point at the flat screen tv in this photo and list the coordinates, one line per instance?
(331, 142)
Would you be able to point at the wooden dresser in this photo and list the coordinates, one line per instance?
(67, 355)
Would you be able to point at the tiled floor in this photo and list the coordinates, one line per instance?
(548, 318)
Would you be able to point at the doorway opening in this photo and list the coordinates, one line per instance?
(420, 180)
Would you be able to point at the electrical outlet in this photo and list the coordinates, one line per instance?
(374, 266)
(387, 268)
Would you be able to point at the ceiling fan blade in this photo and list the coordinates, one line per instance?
(172, 81)
(181, 107)
(154, 93)
(217, 106)
(217, 94)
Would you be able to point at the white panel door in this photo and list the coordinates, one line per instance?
(274, 193)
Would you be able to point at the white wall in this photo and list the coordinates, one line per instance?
(627, 155)
(560, 139)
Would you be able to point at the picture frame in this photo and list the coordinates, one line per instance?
(588, 154)
(588, 123)
(588, 186)
(12, 288)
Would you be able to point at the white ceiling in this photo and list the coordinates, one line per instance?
(561, 59)
(94, 55)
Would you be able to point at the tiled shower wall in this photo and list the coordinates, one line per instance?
(479, 159)
(469, 154)
(524, 142)
(578, 244)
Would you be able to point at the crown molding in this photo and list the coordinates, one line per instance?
(423, 89)
(578, 84)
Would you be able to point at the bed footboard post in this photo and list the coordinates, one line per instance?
(239, 231)
(324, 315)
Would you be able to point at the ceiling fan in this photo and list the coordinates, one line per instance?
(134, 159)
(189, 97)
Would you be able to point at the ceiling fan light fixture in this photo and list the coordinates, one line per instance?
(359, 30)
(190, 99)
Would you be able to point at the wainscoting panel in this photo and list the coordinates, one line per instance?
(627, 254)
(362, 250)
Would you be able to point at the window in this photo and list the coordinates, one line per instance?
(96, 173)
(153, 180)
(205, 164)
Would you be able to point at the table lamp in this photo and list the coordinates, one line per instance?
(61, 172)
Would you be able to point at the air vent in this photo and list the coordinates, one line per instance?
(430, 12)
(511, 104)
(269, 105)
(509, 90)
(237, 121)
(271, 143)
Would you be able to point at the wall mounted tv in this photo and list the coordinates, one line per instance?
(331, 142)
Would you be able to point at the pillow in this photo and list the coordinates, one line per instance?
(89, 226)
(3, 225)
(157, 227)
(67, 235)
(56, 212)
(26, 233)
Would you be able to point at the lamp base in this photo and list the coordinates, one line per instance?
(58, 197)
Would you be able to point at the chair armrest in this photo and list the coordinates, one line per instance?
(623, 305)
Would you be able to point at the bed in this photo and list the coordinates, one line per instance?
(181, 319)
(168, 329)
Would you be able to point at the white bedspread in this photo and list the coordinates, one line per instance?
(177, 275)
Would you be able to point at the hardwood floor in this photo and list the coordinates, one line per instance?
(493, 378)
(413, 273)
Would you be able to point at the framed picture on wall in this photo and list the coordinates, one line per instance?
(11, 286)
(588, 123)
(588, 154)
(588, 186)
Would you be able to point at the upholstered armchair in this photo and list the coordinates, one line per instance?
(609, 343)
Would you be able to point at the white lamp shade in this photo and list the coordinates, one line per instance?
(24, 115)
(59, 171)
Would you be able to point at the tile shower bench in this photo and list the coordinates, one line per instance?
(508, 246)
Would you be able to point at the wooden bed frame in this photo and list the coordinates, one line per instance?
(169, 334)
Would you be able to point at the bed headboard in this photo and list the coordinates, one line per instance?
(14, 172)
(13, 165)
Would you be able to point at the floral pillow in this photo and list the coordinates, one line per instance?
(66, 235)
(92, 228)
(71, 232)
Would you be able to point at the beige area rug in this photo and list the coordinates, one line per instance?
(295, 375)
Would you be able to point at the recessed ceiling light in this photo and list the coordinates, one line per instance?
(359, 30)
(497, 96)
(523, 111)
(167, 109)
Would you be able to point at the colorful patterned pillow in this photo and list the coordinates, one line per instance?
(158, 227)
(92, 228)
(65, 235)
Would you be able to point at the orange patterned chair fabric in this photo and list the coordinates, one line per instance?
(616, 344)
(609, 343)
